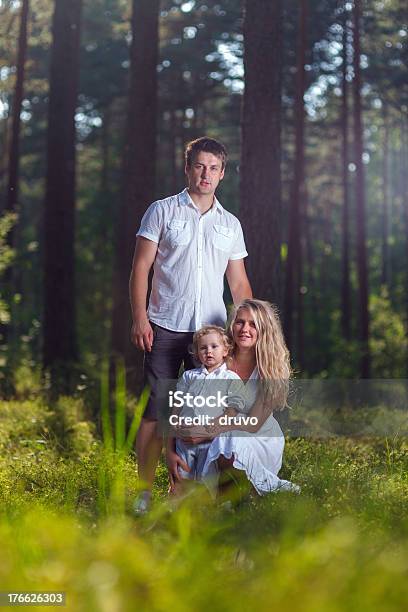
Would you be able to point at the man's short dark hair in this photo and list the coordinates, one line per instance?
(208, 145)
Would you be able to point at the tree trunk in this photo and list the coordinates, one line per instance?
(300, 331)
(360, 201)
(12, 191)
(14, 154)
(105, 133)
(174, 154)
(395, 187)
(60, 346)
(4, 157)
(139, 172)
(345, 230)
(260, 172)
(385, 275)
(293, 264)
(404, 187)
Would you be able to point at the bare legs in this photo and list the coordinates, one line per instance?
(148, 449)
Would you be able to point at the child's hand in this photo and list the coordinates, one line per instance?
(230, 411)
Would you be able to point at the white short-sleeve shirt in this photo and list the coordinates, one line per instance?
(192, 256)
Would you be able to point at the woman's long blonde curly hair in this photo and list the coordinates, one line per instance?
(272, 354)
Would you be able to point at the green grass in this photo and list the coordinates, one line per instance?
(66, 524)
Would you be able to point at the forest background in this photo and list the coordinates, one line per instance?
(97, 100)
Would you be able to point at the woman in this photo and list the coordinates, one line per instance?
(261, 358)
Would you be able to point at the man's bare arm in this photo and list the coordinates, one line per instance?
(144, 256)
(238, 280)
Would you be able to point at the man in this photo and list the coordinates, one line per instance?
(191, 242)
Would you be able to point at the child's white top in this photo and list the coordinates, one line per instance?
(201, 382)
(201, 373)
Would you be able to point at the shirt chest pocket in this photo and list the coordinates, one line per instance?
(178, 232)
(223, 237)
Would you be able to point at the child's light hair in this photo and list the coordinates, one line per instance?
(272, 354)
(211, 329)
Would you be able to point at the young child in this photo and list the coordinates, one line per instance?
(211, 346)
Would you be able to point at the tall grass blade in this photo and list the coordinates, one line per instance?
(137, 417)
(107, 433)
(101, 501)
(117, 494)
(120, 405)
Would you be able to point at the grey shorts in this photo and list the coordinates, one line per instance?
(194, 455)
(169, 351)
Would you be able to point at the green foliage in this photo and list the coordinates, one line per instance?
(47, 454)
(27, 380)
(388, 343)
(388, 340)
(346, 534)
(118, 438)
(7, 221)
(118, 442)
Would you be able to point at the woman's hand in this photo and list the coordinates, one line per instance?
(193, 435)
(230, 411)
(206, 433)
(196, 440)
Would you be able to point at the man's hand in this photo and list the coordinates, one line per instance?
(173, 462)
(142, 334)
(145, 253)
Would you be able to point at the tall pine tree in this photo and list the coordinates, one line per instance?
(60, 346)
(139, 170)
(360, 198)
(345, 230)
(260, 170)
(294, 259)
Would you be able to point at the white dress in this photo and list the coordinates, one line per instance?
(259, 455)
